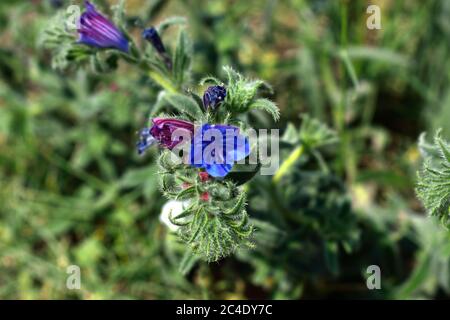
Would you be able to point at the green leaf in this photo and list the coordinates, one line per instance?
(210, 80)
(186, 213)
(291, 135)
(314, 134)
(232, 75)
(119, 14)
(62, 43)
(186, 193)
(159, 104)
(188, 262)
(169, 22)
(268, 106)
(185, 105)
(181, 59)
(196, 98)
(242, 92)
(239, 206)
(176, 220)
(138, 176)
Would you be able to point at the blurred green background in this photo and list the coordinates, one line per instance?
(73, 190)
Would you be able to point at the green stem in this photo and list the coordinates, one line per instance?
(349, 67)
(288, 163)
(135, 58)
(159, 79)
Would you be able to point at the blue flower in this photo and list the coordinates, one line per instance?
(218, 157)
(97, 31)
(146, 140)
(214, 96)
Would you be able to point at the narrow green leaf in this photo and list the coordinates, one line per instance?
(268, 106)
(210, 80)
(239, 206)
(188, 262)
(181, 60)
(169, 22)
(185, 105)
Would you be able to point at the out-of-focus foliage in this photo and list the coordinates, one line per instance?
(74, 192)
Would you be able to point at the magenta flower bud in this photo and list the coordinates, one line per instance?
(162, 131)
(97, 31)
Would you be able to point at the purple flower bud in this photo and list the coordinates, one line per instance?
(152, 36)
(97, 31)
(162, 131)
(214, 96)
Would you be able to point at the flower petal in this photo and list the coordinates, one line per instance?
(97, 31)
(218, 170)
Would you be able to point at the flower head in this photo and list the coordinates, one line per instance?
(214, 96)
(97, 31)
(162, 131)
(216, 148)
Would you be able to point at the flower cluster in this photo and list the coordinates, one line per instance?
(210, 135)
(201, 138)
(216, 156)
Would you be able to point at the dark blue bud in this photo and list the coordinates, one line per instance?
(214, 96)
(152, 36)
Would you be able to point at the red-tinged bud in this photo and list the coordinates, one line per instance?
(186, 185)
(204, 196)
(204, 176)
